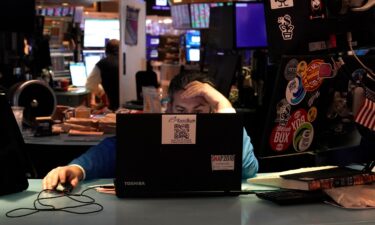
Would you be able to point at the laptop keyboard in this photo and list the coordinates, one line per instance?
(292, 197)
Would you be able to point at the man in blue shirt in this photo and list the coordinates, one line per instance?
(189, 93)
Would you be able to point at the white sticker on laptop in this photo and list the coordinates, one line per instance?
(178, 129)
(222, 162)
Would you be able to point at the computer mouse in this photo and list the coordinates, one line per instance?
(64, 187)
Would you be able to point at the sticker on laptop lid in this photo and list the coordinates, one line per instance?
(178, 129)
(222, 162)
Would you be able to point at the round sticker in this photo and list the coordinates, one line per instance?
(312, 114)
(301, 68)
(295, 92)
(298, 117)
(290, 70)
(283, 112)
(280, 138)
(311, 80)
(303, 137)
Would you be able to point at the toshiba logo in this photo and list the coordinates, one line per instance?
(135, 183)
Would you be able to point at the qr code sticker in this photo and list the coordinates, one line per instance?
(181, 131)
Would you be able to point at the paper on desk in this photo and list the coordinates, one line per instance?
(354, 197)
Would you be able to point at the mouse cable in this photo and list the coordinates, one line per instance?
(40, 206)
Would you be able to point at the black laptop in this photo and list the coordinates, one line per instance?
(13, 160)
(178, 154)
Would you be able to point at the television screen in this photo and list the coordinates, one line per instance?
(193, 38)
(98, 31)
(180, 16)
(152, 40)
(193, 54)
(220, 34)
(200, 15)
(250, 25)
(91, 57)
(158, 7)
(17, 15)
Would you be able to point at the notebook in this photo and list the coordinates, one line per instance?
(13, 160)
(78, 74)
(178, 154)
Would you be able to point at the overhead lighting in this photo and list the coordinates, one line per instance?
(64, 4)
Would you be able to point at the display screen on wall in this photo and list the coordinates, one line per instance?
(250, 25)
(158, 8)
(200, 15)
(98, 31)
(181, 16)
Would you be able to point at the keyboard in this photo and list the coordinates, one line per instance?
(292, 197)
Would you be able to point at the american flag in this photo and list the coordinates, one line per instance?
(366, 114)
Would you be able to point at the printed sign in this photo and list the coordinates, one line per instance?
(279, 4)
(179, 129)
(222, 162)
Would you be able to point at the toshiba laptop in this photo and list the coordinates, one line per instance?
(178, 154)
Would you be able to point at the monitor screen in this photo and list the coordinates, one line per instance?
(200, 15)
(152, 40)
(193, 38)
(98, 31)
(78, 74)
(221, 32)
(158, 7)
(250, 25)
(180, 16)
(152, 54)
(193, 54)
(91, 57)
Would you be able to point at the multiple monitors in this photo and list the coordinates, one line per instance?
(98, 31)
(200, 14)
(250, 25)
(192, 44)
(152, 44)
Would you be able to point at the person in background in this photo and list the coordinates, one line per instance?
(188, 93)
(104, 78)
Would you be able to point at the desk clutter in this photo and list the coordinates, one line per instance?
(80, 121)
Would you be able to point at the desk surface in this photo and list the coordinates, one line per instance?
(65, 139)
(242, 210)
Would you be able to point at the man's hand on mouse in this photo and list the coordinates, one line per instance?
(70, 174)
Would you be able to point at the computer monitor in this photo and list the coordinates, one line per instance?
(200, 15)
(193, 54)
(250, 25)
(91, 57)
(221, 32)
(158, 8)
(192, 39)
(98, 31)
(152, 40)
(78, 74)
(181, 16)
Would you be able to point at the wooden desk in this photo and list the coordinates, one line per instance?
(242, 210)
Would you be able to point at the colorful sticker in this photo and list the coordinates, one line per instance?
(311, 79)
(294, 92)
(301, 68)
(290, 70)
(303, 137)
(286, 27)
(298, 117)
(279, 4)
(222, 162)
(281, 138)
(283, 112)
(317, 9)
(312, 114)
(179, 129)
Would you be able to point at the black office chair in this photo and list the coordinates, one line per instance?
(142, 78)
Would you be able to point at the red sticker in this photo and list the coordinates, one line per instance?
(311, 80)
(298, 117)
(281, 138)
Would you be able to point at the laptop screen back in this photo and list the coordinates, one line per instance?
(160, 154)
(78, 74)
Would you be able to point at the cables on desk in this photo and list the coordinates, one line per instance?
(41, 206)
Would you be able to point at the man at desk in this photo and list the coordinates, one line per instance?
(189, 93)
